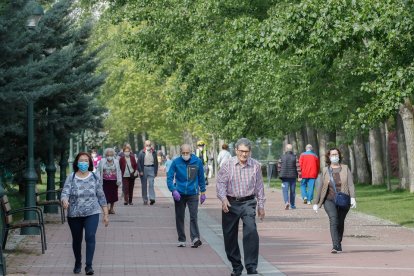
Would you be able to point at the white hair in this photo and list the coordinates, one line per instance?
(308, 147)
(108, 150)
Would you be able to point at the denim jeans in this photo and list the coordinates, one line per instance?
(76, 225)
(336, 221)
(306, 188)
(147, 183)
(289, 184)
(192, 203)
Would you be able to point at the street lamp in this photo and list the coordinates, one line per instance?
(50, 168)
(30, 174)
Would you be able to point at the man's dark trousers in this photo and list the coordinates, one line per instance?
(246, 211)
(192, 203)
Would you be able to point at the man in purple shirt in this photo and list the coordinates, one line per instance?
(240, 188)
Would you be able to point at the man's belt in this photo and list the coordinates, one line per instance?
(240, 199)
(148, 165)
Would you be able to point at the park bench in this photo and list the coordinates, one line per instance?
(9, 224)
(51, 202)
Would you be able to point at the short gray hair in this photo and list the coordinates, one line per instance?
(108, 150)
(187, 146)
(245, 142)
(308, 147)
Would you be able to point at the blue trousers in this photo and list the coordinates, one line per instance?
(307, 186)
(77, 225)
(289, 184)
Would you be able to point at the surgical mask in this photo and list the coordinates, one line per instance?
(186, 157)
(148, 148)
(334, 159)
(110, 158)
(83, 166)
(127, 153)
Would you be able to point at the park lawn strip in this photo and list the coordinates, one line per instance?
(396, 206)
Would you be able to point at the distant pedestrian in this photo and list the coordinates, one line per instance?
(96, 158)
(201, 152)
(110, 175)
(129, 171)
(309, 167)
(289, 172)
(240, 189)
(83, 197)
(185, 179)
(168, 163)
(224, 154)
(148, 169)
(335, 178)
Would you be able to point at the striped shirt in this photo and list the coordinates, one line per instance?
(237, 180)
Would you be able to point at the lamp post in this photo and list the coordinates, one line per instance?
(71, 155)
(63, 163)
(30, 174)
(2, 259)
(50, 168)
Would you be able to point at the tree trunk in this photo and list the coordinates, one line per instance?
(343, 147)
(361, 161)
(402, 155)
(292, 140)
(285, 142)
(312, 139)
(143, 137)
(408, 122)
(354, 168)
(387, 160)
(323, 140)
(136, 142)
(304, 136)
(300, 141)
(377, 160)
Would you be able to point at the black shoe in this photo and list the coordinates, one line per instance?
(125, 203)
(251, 271)
(131, 203)
(89, 270)
(77, 269)
(236, 273)
(196, 243)
(152, 201)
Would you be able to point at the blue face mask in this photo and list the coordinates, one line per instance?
(83, 166)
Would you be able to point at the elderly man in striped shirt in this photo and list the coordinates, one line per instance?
(240, 188)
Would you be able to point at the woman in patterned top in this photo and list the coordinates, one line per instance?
(110, 176)
(83, 197)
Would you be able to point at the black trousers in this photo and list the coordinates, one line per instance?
(246, 211)
(336, 221)
(192, 203)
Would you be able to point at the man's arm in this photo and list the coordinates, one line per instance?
(170, 177)
(222, 181)
(259, 188)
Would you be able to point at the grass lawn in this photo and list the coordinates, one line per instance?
(396, 206)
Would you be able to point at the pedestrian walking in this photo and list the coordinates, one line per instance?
(309, 167)
(83, 197)
(185, 179)
(110, 175)
(201, 152)
(96, 158)
(129, 171)
(224, 154)
(289, 172)
(240, 189)
(167, 164)
(148, 169)
(336, 178)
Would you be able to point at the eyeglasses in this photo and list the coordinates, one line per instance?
(334, 154)
(185, 153)
(244, 151)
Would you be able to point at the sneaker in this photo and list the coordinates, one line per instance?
(89, 270)
(196, 243)
(339, 248)
(287, 206)
(145, 202)
(334, 251)
(305, 200)
(152, 201)
(309, 202)
(181, 244)
(292, 207)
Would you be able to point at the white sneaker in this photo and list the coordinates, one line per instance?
(196, 243)
(309, 202)
(181, 244)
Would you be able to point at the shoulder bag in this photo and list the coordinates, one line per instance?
(342, 200)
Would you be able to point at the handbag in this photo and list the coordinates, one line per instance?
(342, 200)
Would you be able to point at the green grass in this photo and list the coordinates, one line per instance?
(396, 206)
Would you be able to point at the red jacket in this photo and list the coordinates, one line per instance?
(309, 164)
(122, 164)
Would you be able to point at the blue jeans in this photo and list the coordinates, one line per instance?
(76, 225)
(289, 184)
(308, 183)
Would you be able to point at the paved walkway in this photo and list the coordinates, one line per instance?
(141, 240)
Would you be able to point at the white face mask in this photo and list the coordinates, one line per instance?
(334, 159)
(110, 158)
(148, 148)
(127, 153)
(186, 157)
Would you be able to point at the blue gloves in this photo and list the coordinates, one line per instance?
(176, 195)
(202, 198)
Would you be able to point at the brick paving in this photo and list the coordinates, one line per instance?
(141, 240)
